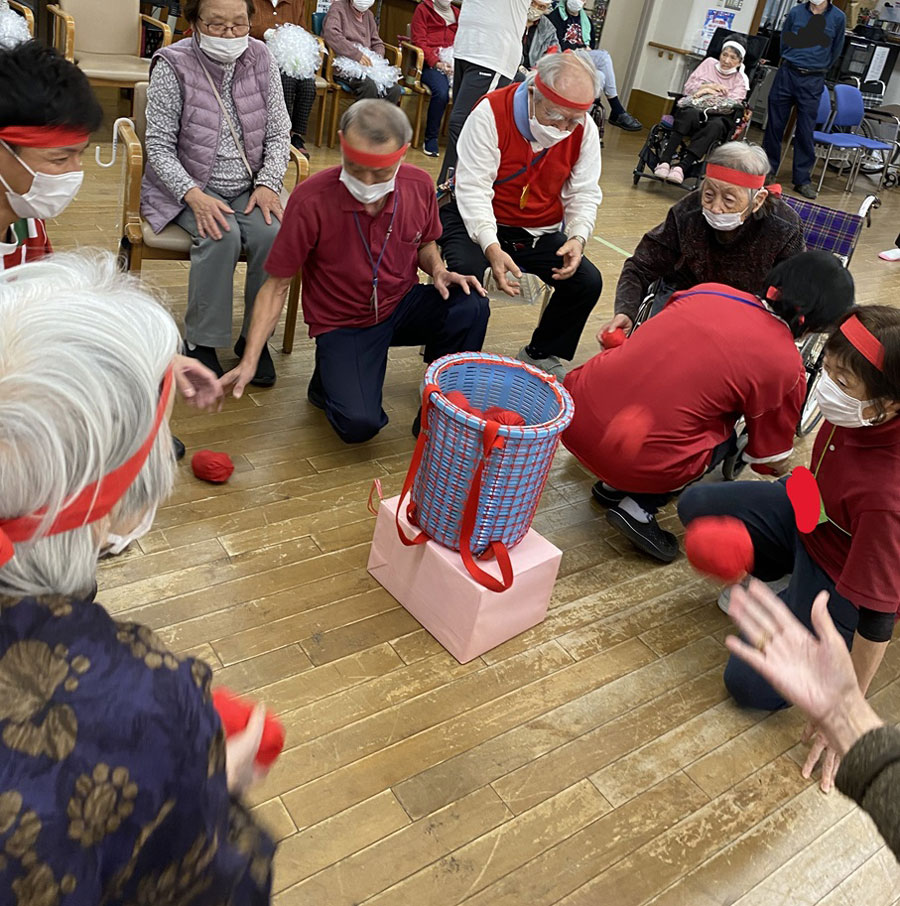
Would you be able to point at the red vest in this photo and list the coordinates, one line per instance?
(541, 205)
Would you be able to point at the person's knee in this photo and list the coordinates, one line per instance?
(748, 688)
(224, 252)
(357, 427)
(589, 280)
(696, 501)
(259, 240)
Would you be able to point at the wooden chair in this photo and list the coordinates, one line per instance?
(139, 243)
(412, 61)
(324, 90)
(25, 11)
(106, 39)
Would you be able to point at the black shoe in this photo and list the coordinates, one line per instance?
(627, 122)
(178, 447)
(606, 496)
(299, 144)
(417, 424)
(314, 392)
(205, 355)
(265, 368)
(807, 191)
(647, 536)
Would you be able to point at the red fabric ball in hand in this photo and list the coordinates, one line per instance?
(210, 466)
(504, 416)
(806, 499)
(235, 714)
(612, 338)
(719, 546)
(627, 431)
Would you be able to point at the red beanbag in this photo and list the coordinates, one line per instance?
(803, 492)
(504, 416)
(214, 467)
(719, 546)
(612, 338)
(627, 431)
(459, 399)
(235, 714)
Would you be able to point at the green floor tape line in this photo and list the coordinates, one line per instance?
(615, 248)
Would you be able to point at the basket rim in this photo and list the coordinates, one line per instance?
(563, 397)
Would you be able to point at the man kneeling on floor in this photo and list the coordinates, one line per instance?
(657, 412)
(529, 159)
(359, 232)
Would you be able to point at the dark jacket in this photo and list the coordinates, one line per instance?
(870, 774)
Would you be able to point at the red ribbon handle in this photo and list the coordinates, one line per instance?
(421, 538)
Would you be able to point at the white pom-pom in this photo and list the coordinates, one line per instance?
(380, 72)
(445, 55)
(13, 29)
(297, 52)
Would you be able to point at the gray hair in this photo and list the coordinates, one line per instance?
(83, 349)
(377, 121)
(553, 65)
(745, 157)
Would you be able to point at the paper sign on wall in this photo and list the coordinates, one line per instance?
(715, 18)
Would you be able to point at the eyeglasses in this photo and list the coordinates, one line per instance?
(217, 30)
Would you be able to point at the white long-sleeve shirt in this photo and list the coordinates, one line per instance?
(490, 34)
(479, 163)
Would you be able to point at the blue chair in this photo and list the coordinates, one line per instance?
(841, 118)
(851, 108)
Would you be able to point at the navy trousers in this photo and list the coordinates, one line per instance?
(763, 506)
(351, 361)
(439, 86)
(793, 89)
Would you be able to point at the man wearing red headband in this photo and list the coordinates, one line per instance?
(529, 163)
(835, 527)
(47, 112)
(733, 229)
(359, 233)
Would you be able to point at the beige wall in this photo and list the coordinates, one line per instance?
(622, 20)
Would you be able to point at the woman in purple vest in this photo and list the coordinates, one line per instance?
(218, 137)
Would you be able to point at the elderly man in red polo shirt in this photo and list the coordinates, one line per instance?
(526, 197)
(359, 233)
(657, 412)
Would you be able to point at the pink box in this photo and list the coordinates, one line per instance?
(432, 583)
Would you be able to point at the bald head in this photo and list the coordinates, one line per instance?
(572, 75)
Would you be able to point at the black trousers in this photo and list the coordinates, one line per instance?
(366, 88)
(299, 97)
(471, 82)
(703, 132)
(764, 507)
(572, 301)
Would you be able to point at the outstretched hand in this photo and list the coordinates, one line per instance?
(197, 384)
(444, 280)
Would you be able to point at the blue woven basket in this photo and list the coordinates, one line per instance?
(514, 476)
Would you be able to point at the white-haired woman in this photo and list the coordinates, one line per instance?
(114, 787)
(732, 230)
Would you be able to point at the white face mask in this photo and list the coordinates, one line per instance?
(838, 406)
(545, 136)
(723, 71)
(362, 5)
(366, 194)
(442, 5)
(223, 50)
(115, 544)
(534, 13)
(574, 7)
(49, 194)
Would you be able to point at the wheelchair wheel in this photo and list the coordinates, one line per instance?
(812, 350)
(734, 465)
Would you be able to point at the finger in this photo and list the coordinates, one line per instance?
(267, 215)
(223, 207)
(250, 206)
(442, 290)
(752, 620)
(812, 759)
(750, 655)
(278, 213)
(512, 266)
(185, 387)
(829, 769)
(473, 281)
(201, 229)
(220, 217)
(822, 622)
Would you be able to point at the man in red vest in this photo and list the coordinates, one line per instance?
(526, 197)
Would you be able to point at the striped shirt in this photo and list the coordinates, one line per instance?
(26, 240)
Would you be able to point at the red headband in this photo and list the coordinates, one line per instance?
(863, 341)
(735, 177)
(92, 503)
(43, 136)
(365, 159)
(558, 99)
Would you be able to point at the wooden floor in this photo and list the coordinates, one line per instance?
(593, 760)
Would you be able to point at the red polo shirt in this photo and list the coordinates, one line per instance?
(319, 236)
(712, 354)
(858, 471)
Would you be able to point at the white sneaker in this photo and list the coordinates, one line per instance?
(890, 255)
(551, 364)
(662, 171)
(676, 176)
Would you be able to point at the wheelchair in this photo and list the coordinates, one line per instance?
(649, 156)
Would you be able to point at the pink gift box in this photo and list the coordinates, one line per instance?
(432, 583)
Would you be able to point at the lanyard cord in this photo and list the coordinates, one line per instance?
(376, 265)
(816, 475)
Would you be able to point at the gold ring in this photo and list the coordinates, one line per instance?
(761, 644)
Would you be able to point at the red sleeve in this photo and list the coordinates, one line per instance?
(419, 36)
(771, 423)
(296, 237)
(869, 577)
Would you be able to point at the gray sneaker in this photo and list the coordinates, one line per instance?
(551, 364)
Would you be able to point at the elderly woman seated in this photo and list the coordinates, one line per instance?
(218, 140)
(730, 230)
(117, 783)
(705, 114)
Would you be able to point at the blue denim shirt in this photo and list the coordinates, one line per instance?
(809, 44)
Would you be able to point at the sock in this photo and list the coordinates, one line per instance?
(635, 510)
(615, 106)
